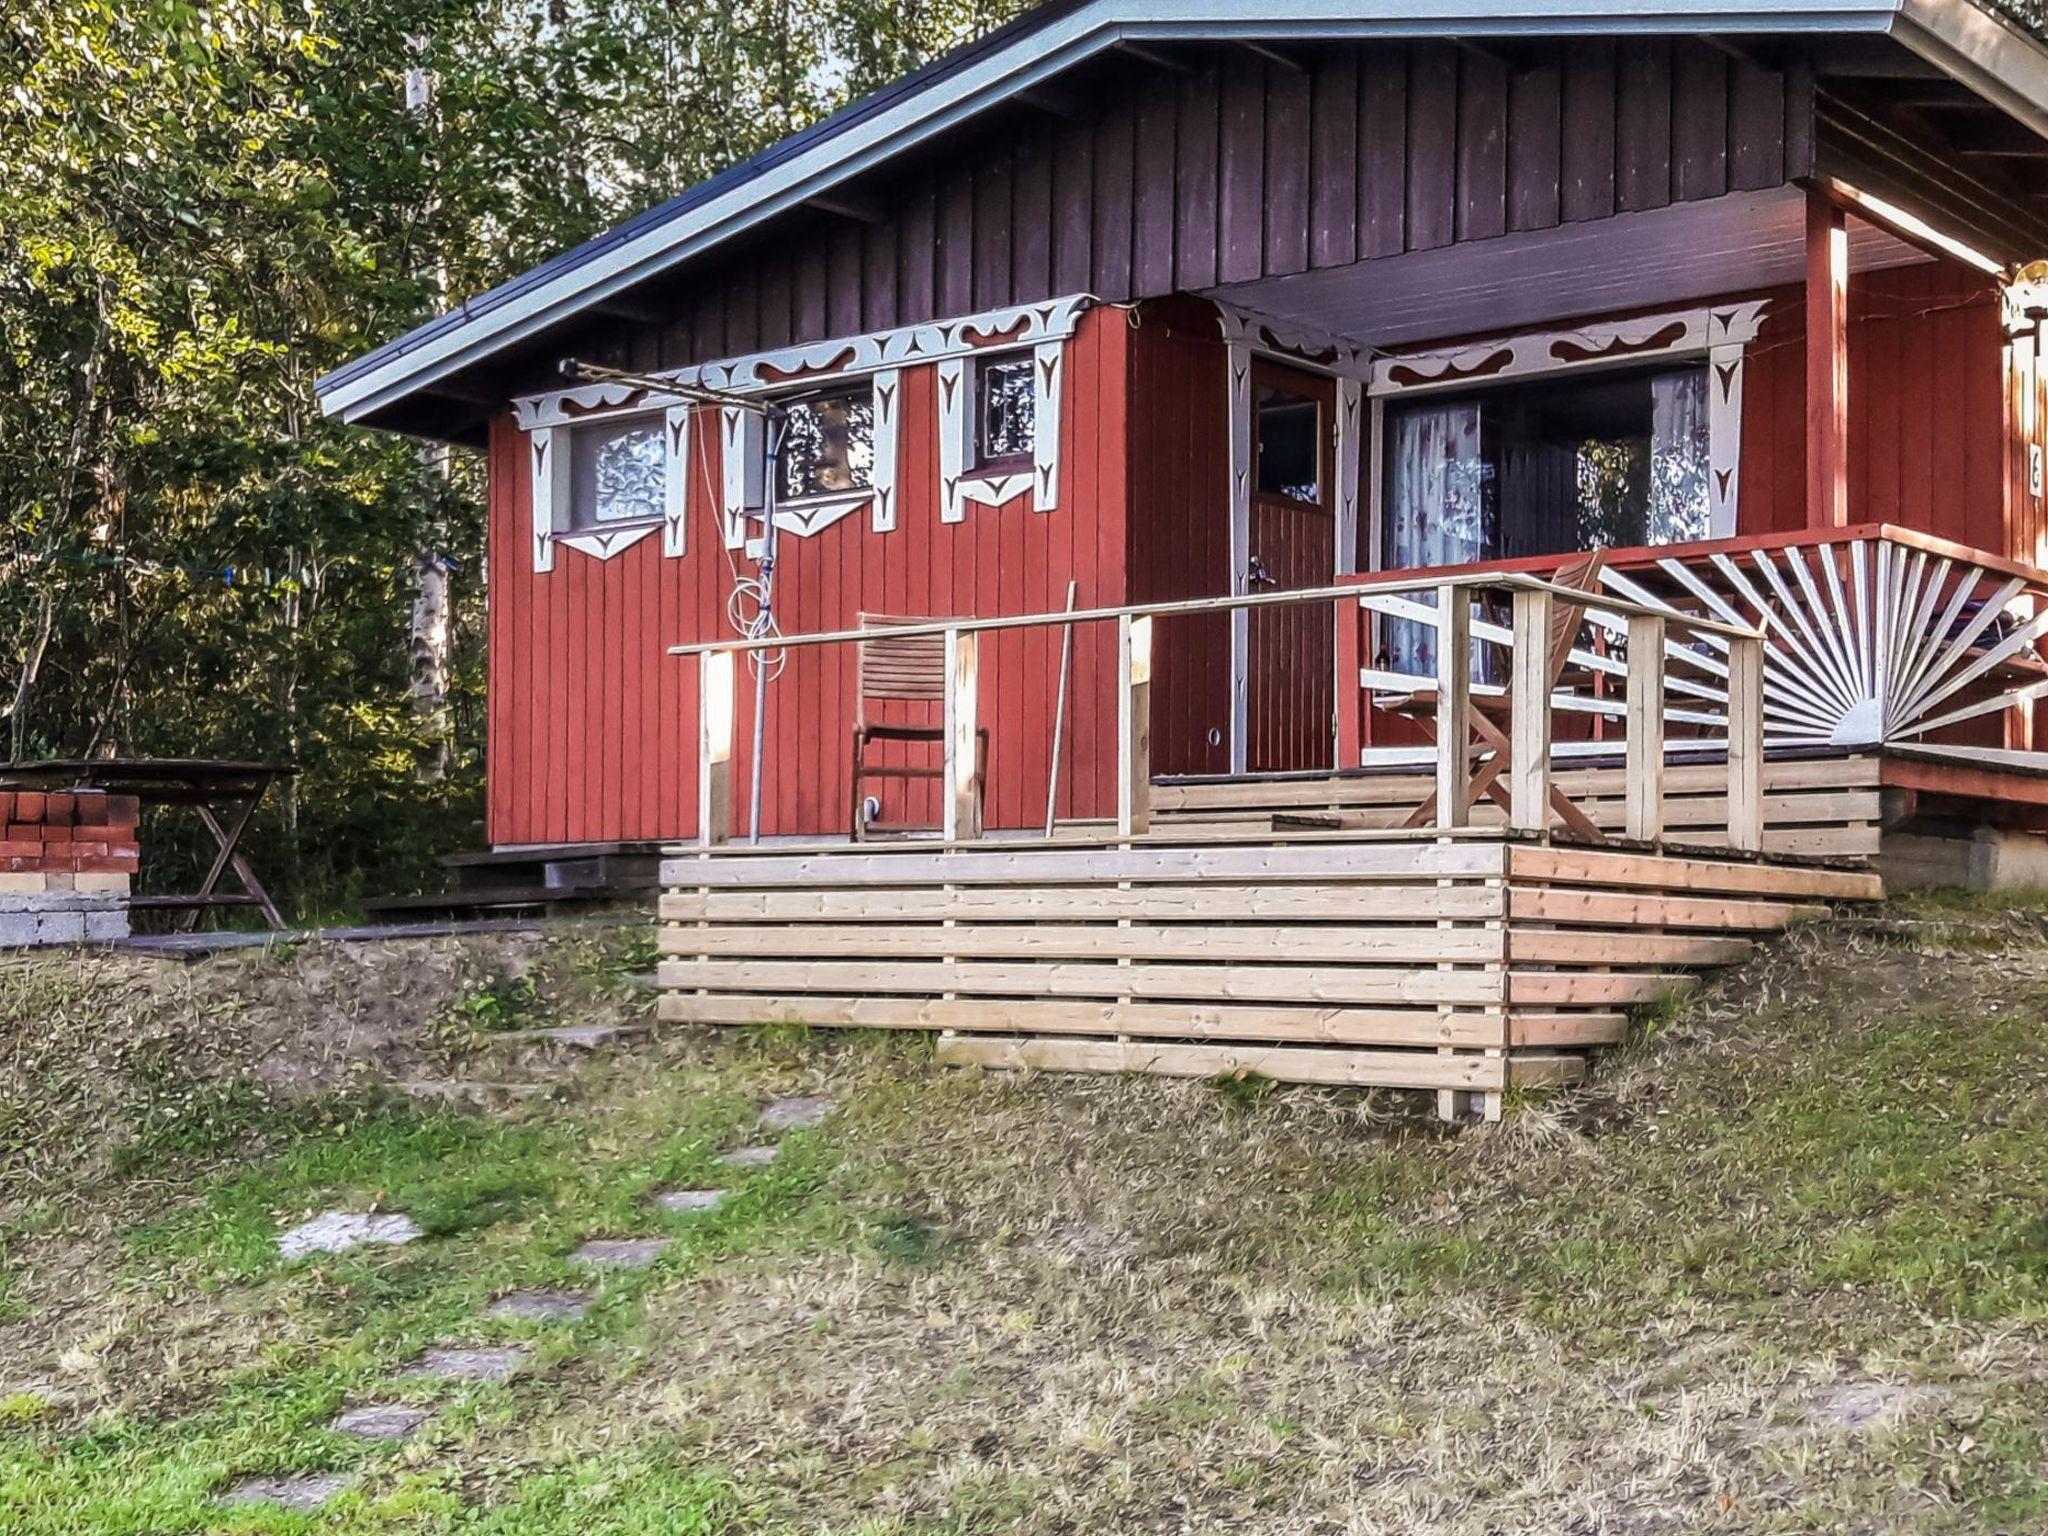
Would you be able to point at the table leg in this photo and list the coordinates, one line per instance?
(229, 838)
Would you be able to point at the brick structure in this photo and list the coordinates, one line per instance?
(66, 859)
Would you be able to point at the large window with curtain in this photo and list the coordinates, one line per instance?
(1572, 462)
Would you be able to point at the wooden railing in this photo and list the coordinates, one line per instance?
(1650, 637)
(1873, 634)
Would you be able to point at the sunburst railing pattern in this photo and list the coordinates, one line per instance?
(1872, 635)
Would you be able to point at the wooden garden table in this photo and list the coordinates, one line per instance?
(224, 794)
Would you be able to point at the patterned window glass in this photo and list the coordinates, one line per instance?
(617, 473)
(1006, 413)
(829, 445)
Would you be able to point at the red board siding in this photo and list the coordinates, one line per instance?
(1180, 526)
(592, 727)
(1927, 409)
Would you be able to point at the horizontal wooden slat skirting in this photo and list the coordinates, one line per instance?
(1403, 960)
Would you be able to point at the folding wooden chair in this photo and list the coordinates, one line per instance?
(1487, 717)
(909, 669)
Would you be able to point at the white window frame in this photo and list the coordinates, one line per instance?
(1716, 335)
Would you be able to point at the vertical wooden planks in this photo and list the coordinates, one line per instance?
(1699, 129)
(1482, 146)
(1535, 145)
(993, 234)
(1642, 152)
(1589, 123)
(1031, 217)
(1432, 146)
(1241, 205)
(1073, 192)
(1383, 151)
(1115, 173)
(955, 255)
(1287, 169)
(1333, 160)
(1195, 231)
(1756, 127)
(1155, 177)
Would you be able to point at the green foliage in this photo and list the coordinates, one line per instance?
(204, 207)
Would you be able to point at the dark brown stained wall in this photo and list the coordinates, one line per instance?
(1245, 168)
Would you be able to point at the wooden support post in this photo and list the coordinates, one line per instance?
(963, 717)
(1134, 726)
(1644, 773)
(1350, 693)
(1453, 698)
(714, 748)
(1827, 363)
(1529, 714)
(1746, 745)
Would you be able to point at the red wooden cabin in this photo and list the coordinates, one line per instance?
(1209, 301)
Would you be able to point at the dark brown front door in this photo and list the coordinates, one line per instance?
(1291, 651)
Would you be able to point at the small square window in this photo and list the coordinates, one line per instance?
(828, 445)
(617, 474)
(1289, 446)
(1005, 412)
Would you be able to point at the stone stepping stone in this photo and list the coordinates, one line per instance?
(542, 1306)
(795, 1114)
(682, 1202)
(464, 1363)
(339, 1231)
(621, 1252)
(306, 1491)
(382, 1421)
(750, 1157)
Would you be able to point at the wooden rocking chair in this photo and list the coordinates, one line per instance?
(1487, 718)
(908, 669)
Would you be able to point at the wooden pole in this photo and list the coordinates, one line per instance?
(1059, 713)
(714, 748)
(1453, 698)
(1827, 363)
(1350, 692)
(963, 762)
(1746, 744)
(1644, 773)
(1529, 714)
(1134, 726)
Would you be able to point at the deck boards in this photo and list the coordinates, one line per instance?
(1465, 963)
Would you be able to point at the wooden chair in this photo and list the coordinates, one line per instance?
(1487, 718)
(910, 669)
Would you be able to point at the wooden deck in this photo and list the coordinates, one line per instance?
(1459, 961)
(1827, 806)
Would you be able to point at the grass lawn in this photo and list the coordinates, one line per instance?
(1782, 1266)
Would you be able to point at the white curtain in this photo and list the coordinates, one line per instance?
(1680, 509)
(1436, 511)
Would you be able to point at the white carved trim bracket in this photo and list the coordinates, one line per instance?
(1044, 328)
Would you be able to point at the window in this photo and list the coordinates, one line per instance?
(1005, 413)
(616, 473)
(1289, 446)
(1596, 461)
(1602, 461)
(828, 444)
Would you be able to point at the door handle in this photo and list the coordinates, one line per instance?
(1256, 574)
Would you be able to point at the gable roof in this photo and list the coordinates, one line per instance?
(1979, 49)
